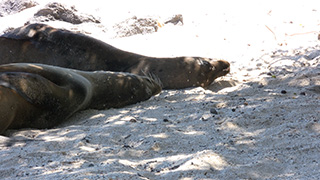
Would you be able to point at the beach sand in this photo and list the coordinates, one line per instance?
(261, 121)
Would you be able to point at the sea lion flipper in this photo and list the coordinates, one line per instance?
(32, 100)
(48, 86)
(29, 100)
(33, 88)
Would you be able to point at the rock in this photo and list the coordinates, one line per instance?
(165, 120)
(12, 6)
(206, 117)
(135, 25)
(56, 11)
(312, 55)
(283, 92)
(175, 20)
(133, 120)
(143, 25)
(213, 111)
(303, 93)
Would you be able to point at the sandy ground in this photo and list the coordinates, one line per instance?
(259, 122)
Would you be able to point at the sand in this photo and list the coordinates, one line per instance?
(261, 121)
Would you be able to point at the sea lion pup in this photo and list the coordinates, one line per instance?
(42, 96)
(39, 43)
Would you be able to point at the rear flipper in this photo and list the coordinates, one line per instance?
(30, 100)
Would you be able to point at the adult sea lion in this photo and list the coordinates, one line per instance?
(42, 96)
(40, 43)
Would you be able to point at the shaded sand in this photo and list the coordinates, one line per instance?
(259, 122)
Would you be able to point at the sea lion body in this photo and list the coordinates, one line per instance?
(39, 43)
(42, 96)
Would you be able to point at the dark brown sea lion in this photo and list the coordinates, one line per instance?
(42, 96)
(39, 43)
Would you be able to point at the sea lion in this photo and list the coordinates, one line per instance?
(42, 96)
(40, 43)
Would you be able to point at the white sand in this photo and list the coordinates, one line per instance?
(267, 126)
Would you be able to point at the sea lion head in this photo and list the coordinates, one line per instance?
(221, 68)
(211, 69)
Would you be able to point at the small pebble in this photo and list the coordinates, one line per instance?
(303, 93)
(206, 117)
(133, 120)
(231, 142)
(213, 111)
(126, 146)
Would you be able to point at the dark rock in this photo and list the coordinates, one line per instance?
(165, 120)
(133, 120)
(283, 92)
(213, 111)
(56, 11)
